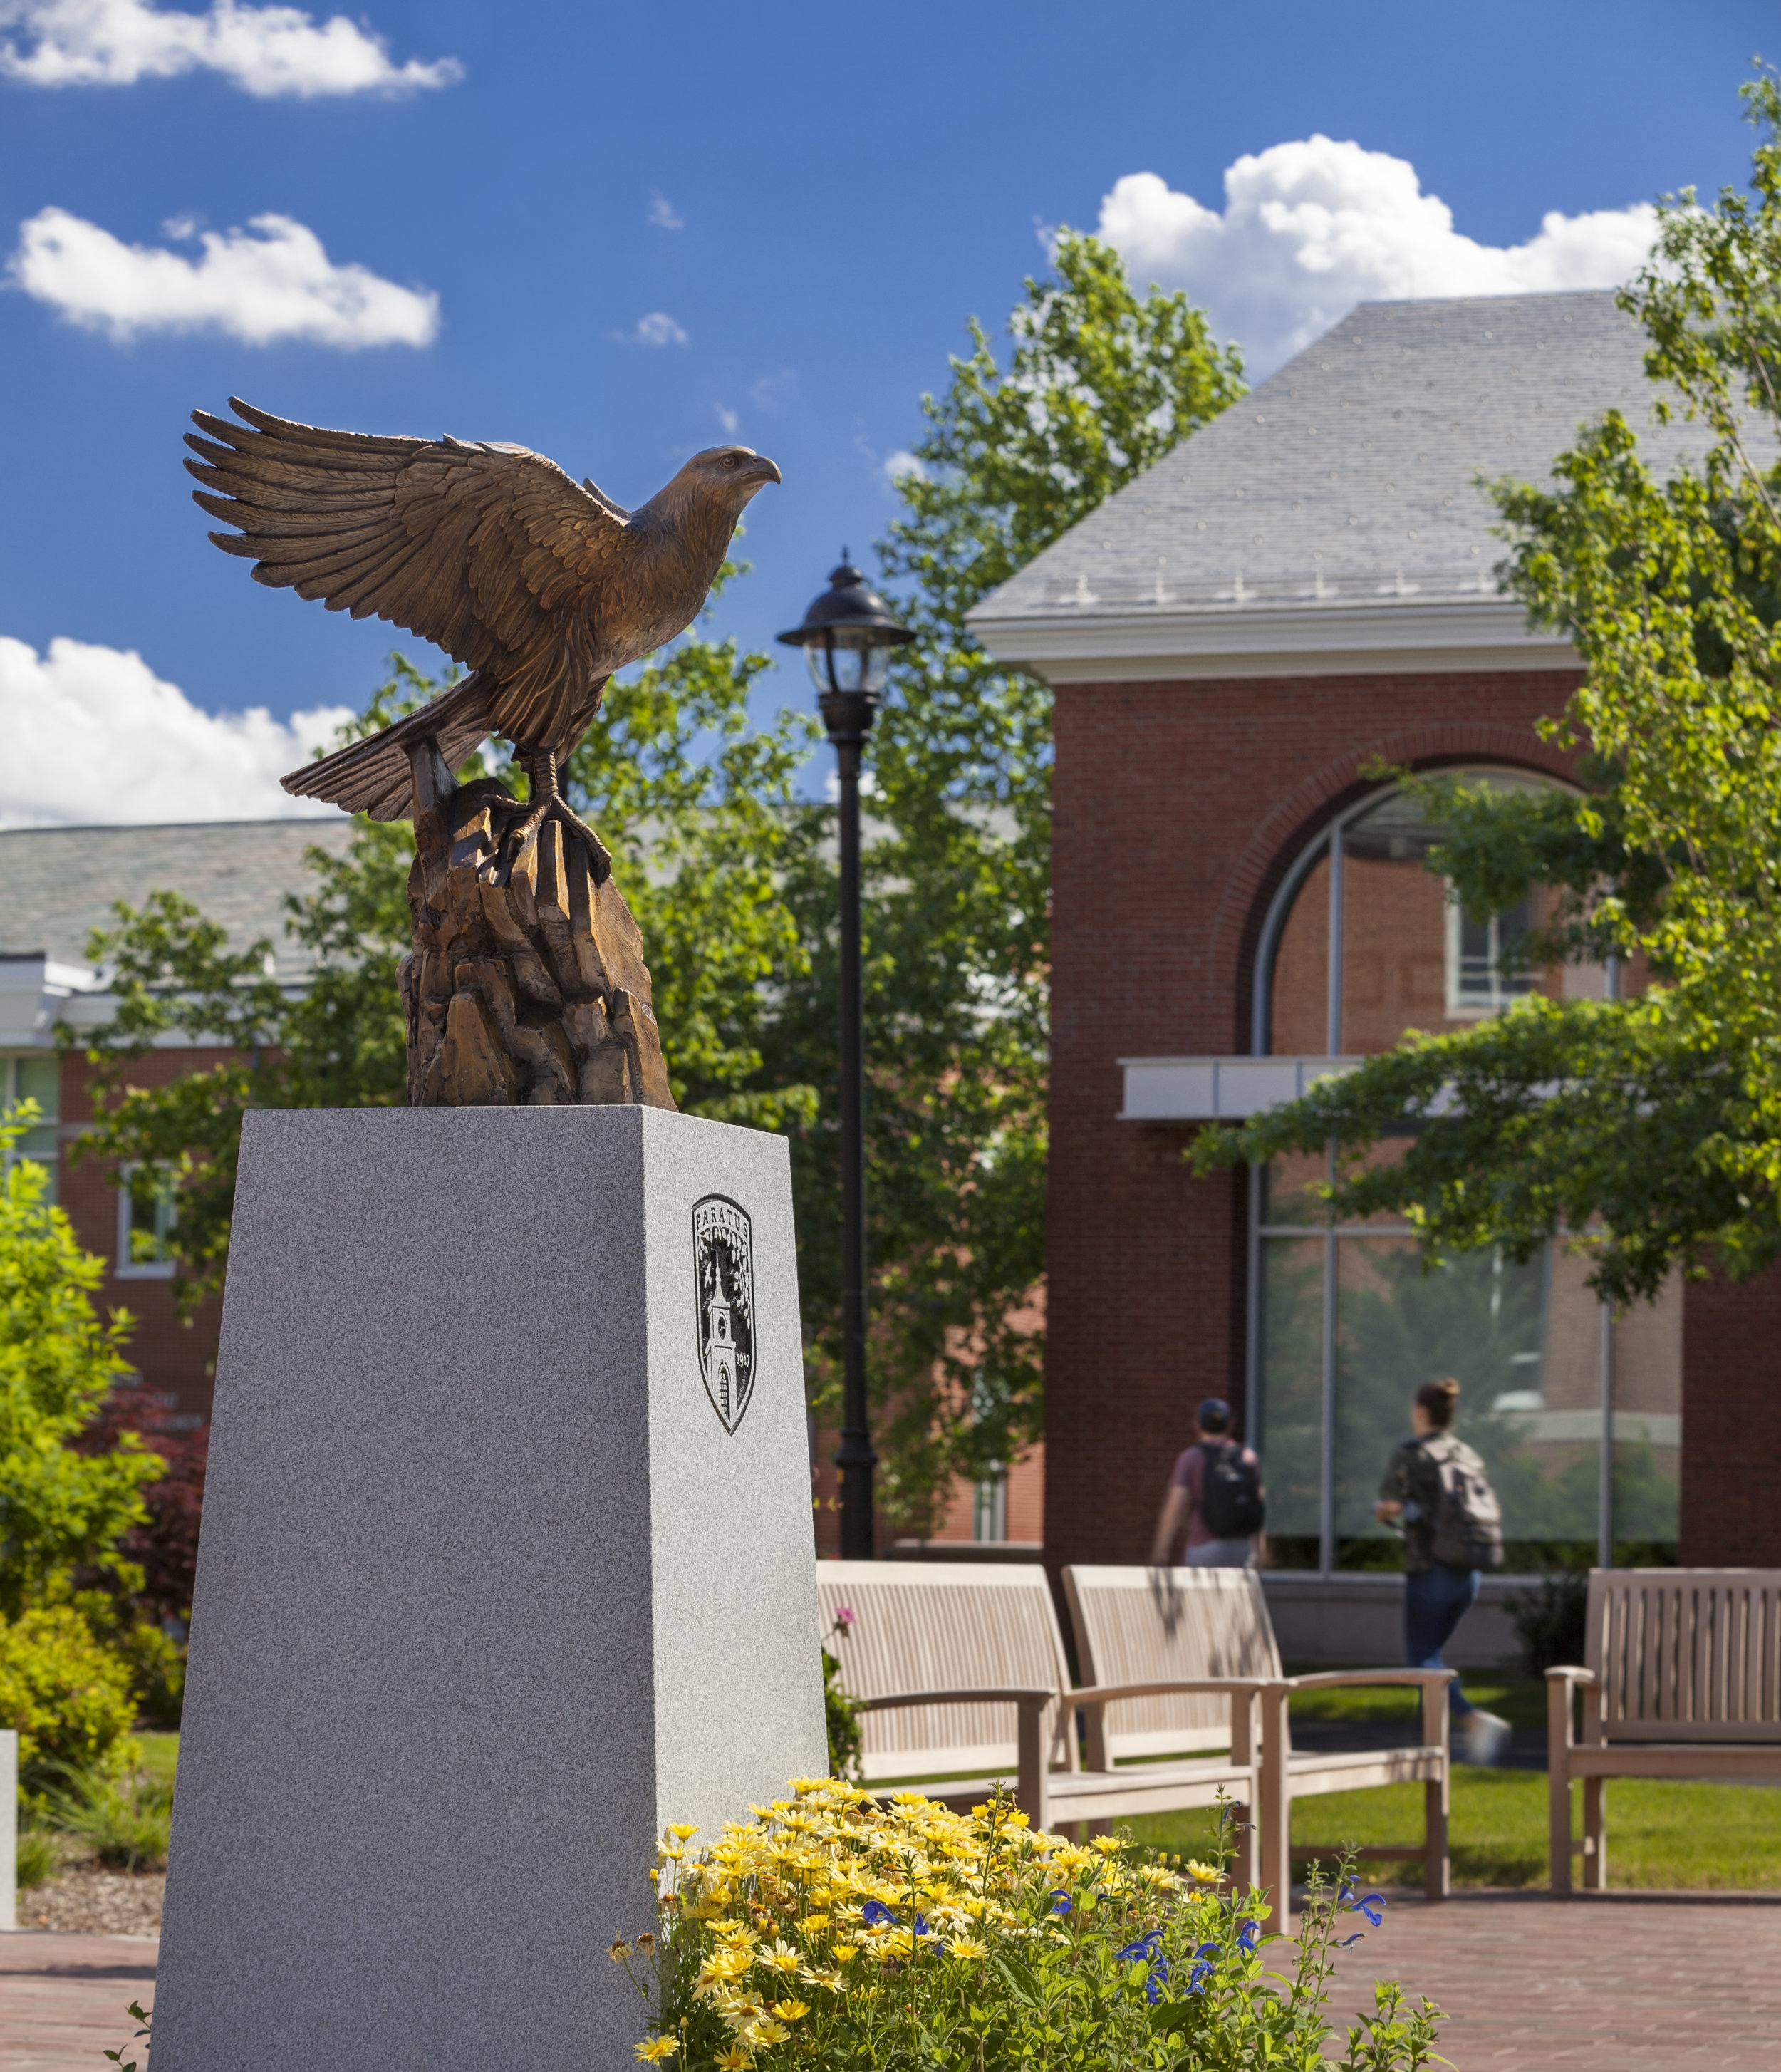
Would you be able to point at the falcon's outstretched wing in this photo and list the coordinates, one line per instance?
(480, 549)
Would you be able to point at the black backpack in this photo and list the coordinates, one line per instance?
(1468, 1520)
(1231, 1501)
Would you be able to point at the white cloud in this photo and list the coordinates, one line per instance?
(270, 53)
(729, 419)
(1310, 228)
(658, 328)
(272, 281)
(902, 462)
(773, 391)
(661, 212)
(91, 733)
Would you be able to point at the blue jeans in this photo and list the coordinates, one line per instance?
(1435, 1600)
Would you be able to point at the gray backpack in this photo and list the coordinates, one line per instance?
(1468, 1520)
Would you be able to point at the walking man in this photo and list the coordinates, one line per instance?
(1435, 1489)
(1216, 1491)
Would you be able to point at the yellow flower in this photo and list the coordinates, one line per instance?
(766, 2031)
(1203, 1873)
(813, 1924)
(845, 1953)
(658, 2048)
(682, 1832)
(790, 2010)
(1108, 1844)
(618, 1949)
(735, 2059)
(968, 1946)
(781, 1957)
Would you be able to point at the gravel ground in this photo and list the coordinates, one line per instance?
(89, 1901)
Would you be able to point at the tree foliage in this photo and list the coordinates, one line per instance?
(61, 1510)
(1652, 1125)
(1099, 381)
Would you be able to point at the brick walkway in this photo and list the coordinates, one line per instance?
(63, 1997)
(1629, 1983)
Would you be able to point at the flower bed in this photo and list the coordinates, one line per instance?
(839, 1930)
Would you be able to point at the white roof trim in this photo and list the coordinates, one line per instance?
(1401, 638)
(1218, 1089)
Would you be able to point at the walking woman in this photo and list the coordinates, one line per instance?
(1435, 1488)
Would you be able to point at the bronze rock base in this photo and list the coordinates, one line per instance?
(526, 986)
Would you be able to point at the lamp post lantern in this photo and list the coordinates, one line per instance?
(847, 636)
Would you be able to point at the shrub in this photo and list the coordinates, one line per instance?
(839, 1933)
(40, 1858)
(840, 1712)
(1551, 1621)
(68, 1696)
(157, 1666)
(124, 1823)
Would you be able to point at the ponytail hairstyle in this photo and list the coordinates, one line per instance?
(1441, 1400)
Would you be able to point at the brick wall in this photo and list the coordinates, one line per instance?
(1731, 1422)
(1177, 809)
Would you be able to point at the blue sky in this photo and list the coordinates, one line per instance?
(799, 204)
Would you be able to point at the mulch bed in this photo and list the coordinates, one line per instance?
(86, 1899)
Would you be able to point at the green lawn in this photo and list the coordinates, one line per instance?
(160, 1753)
(1662, 1836)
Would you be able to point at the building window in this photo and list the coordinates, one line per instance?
(1483, 977)
(990, 1509)
(1578, 1416)
(35, 1076)
(145, 1218)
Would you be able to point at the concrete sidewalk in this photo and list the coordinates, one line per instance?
(62, 1998)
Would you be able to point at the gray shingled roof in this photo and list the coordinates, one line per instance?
(1348, 477)
(57, 884)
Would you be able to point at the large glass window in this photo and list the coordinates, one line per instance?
(36, 1076)
(1578, 1416)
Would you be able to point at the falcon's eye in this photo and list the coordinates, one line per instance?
(729, 460)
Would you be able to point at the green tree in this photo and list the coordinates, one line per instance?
(61, 1509)
(1650, 1125)
(1099, 382)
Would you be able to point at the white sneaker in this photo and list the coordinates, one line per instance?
(1487, 1736)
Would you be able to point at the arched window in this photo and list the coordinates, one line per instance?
(1577, 1415)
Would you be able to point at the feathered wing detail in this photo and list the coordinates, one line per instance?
(372, 776)
(485, 549)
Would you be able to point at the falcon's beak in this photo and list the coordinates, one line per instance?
(761, 469)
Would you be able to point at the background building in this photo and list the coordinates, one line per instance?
(1297, 595)
(60, 884)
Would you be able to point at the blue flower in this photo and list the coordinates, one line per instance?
(1156, 1978)
(922, 1927)
(875, 1914)
(1141, 1951)
(1060, 1902)
(1248, 1936)
(1349, 1942)
(1372, 1906)
(1205, 1958)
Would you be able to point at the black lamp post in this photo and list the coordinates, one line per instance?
(847, 637)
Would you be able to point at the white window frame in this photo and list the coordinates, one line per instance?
(1503, 992)
(124, 1268)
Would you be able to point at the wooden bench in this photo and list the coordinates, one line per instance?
(1682, 1678)
(1145, 1625)
(961, 1671)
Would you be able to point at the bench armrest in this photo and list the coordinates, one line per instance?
(1015, 1694)
(1333, 1679)
(1092, 1695)
(1571, 1675)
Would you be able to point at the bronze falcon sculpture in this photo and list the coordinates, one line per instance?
(540, 588)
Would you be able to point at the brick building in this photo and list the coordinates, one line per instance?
(60, 884)
(1300, 593)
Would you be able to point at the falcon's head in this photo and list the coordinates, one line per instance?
(728, 475)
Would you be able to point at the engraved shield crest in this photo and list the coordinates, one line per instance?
(723, 1274)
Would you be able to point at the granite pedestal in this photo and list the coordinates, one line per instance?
(507, 1561)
